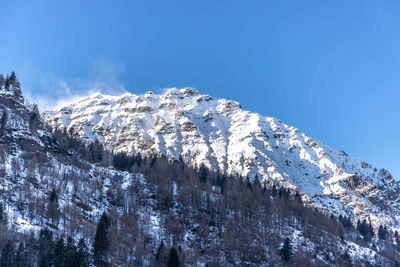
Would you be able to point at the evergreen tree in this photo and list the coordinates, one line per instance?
(280, 193)
(173, 258)
(21, 256)
(52, 210)
(159, 251)
(3, 215)
(53, 196)
(298, 197)
(153, 162)
(35, 118)
(123, 162)
(248, 183)
(139, 160)
(221, 182)
(70, 251)
(370, 230)
(256, 185)
(7, 255)
(365, 229)
(96, 149)
(82, 255)
(287, 250)
(59, 252)
(101, 242)
(7, 82)
(286, 194)
(346, 222)
(382, 232)
(273, 191)
(45, 244)
(203, 173)
(12, 78)
(3, 122)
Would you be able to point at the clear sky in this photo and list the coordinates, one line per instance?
(330, 68)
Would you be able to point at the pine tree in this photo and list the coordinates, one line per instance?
(160, 251)
(53, 196)
(173, 258)
(298, 197)
(96, 149)
(59, 252)
(7, 255)
(248, 183)
(382, 232)
(122, 162)
(70, 251)
(280, 193)
(273, 191)
(7, 82)
(203, 173)
(101, 242)
(370, 230)
(12, 78)
(82, 255)
(286, 194)
(53, 211)
(46, 244)
(153, 162)
(287, 250)
(139, 160)
(3, 122)
(221, 182)
(363, 228)
(21, 256)
(256, 185)
(35, 118)
(346, 222)
(3, 215)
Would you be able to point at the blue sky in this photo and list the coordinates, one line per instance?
(330, 68)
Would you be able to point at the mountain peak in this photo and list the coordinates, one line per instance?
(221, 135)
(188, 91)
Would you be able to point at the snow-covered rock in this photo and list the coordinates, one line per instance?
(226, 138)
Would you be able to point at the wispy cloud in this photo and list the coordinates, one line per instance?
(51, 92)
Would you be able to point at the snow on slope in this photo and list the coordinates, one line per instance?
(30, 169)
(223, 136)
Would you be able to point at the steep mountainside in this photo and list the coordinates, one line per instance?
(54, 186)
(32, 164)
(20, 125)
(226, 138)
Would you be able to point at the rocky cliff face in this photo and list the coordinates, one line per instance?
(226, 138)
(31, 164)
(21, 127)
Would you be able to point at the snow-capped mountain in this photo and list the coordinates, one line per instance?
(226, 138)
(50, 179)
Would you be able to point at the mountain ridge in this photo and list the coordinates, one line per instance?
(54, 184)
(223, 136)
